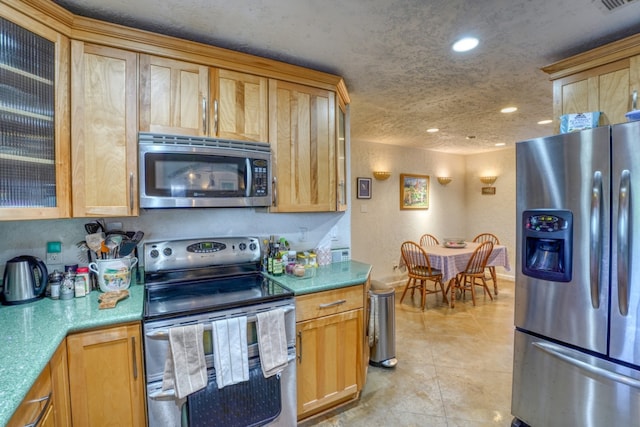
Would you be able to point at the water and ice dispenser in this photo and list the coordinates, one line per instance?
(547, 244)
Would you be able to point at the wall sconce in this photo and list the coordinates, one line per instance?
(488, 180)
(381, 176)
(444, 180)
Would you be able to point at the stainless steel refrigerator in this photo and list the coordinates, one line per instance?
(577, 297)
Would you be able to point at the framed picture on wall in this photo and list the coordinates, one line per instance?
(414, 191)
(364, 188)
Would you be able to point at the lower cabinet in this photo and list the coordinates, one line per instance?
(47, 403)
(37, 407)
(330, 338)
(106, 377)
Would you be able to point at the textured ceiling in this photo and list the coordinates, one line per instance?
(395, 56)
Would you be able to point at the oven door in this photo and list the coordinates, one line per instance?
(164, 409)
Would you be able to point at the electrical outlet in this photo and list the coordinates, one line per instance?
(54, 257)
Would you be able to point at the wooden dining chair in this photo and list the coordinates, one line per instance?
(473, 274)
(420, 272)
(488, 237)
(429, 240)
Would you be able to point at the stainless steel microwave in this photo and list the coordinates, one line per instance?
(197, 172)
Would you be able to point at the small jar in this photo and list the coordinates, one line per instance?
(83, 276)
(67, 287)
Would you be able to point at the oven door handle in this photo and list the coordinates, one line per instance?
(164, 333)
(163, 395)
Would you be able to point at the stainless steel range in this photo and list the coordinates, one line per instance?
(200, 281)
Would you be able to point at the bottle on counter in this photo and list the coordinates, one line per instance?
(277, 261)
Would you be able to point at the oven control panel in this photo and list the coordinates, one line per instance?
(192, 253)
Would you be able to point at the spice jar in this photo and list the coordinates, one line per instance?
(67, 287)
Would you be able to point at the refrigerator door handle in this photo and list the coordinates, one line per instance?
(622, 255)
(595, 247)
(557, 351)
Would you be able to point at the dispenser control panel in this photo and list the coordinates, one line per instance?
(547, 222)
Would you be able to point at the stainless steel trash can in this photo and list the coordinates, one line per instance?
(382, 328)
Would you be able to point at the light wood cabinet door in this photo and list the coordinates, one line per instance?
(302, 132)
(104, 131)
(240, 106)
(106, 377)
(329, 359)
(173, 96)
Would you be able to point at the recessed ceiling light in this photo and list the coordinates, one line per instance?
(500, 144)
(545, 122)
(433, 130)
(465, 44)
(509, 110)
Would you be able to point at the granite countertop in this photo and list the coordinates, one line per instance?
(32, 332)
(327, 277)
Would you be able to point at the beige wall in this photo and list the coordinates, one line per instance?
(378, 226)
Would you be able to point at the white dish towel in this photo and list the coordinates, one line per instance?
(272, 341)
(185, 369)
(230, 352)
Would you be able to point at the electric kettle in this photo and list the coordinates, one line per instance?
(25, 279)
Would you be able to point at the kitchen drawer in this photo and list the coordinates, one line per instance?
(325, 303)
(36, 403)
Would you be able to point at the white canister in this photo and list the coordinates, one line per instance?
(113, 274)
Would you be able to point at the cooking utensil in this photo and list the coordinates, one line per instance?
(128, 245)
(84, 256)
(94, 241)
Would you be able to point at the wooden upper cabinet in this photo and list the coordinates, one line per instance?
(602, 79)
(302, 133)
(606, 89)
(240, 103)
(34, 131)
(104, 131)
(173, 96)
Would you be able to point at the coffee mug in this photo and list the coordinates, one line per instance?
(113, 274)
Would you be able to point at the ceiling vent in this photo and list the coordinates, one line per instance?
(612, 4)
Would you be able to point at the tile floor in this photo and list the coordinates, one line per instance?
(454, 368)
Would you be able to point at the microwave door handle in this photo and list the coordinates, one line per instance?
(595, 247)
(622, 255)
(249, 177)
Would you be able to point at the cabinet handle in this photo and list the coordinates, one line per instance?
(300, 347)
(204, 115)
(133, 355)
(215, 117)
(333, 304)
(42, 412)
(131, 193)
(343, 193)
(274, 192)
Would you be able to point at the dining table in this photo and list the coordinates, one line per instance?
(453, 260)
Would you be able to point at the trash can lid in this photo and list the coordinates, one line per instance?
(378, 285)
(381, 292)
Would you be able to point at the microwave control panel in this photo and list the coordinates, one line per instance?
(260, 173)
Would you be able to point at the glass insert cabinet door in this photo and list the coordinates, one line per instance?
(28, 164)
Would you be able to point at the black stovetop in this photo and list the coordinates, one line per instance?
(172, 299)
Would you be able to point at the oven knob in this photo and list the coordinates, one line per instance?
(167, 251)
(154, 253)
(252, 246)
(242, 246)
